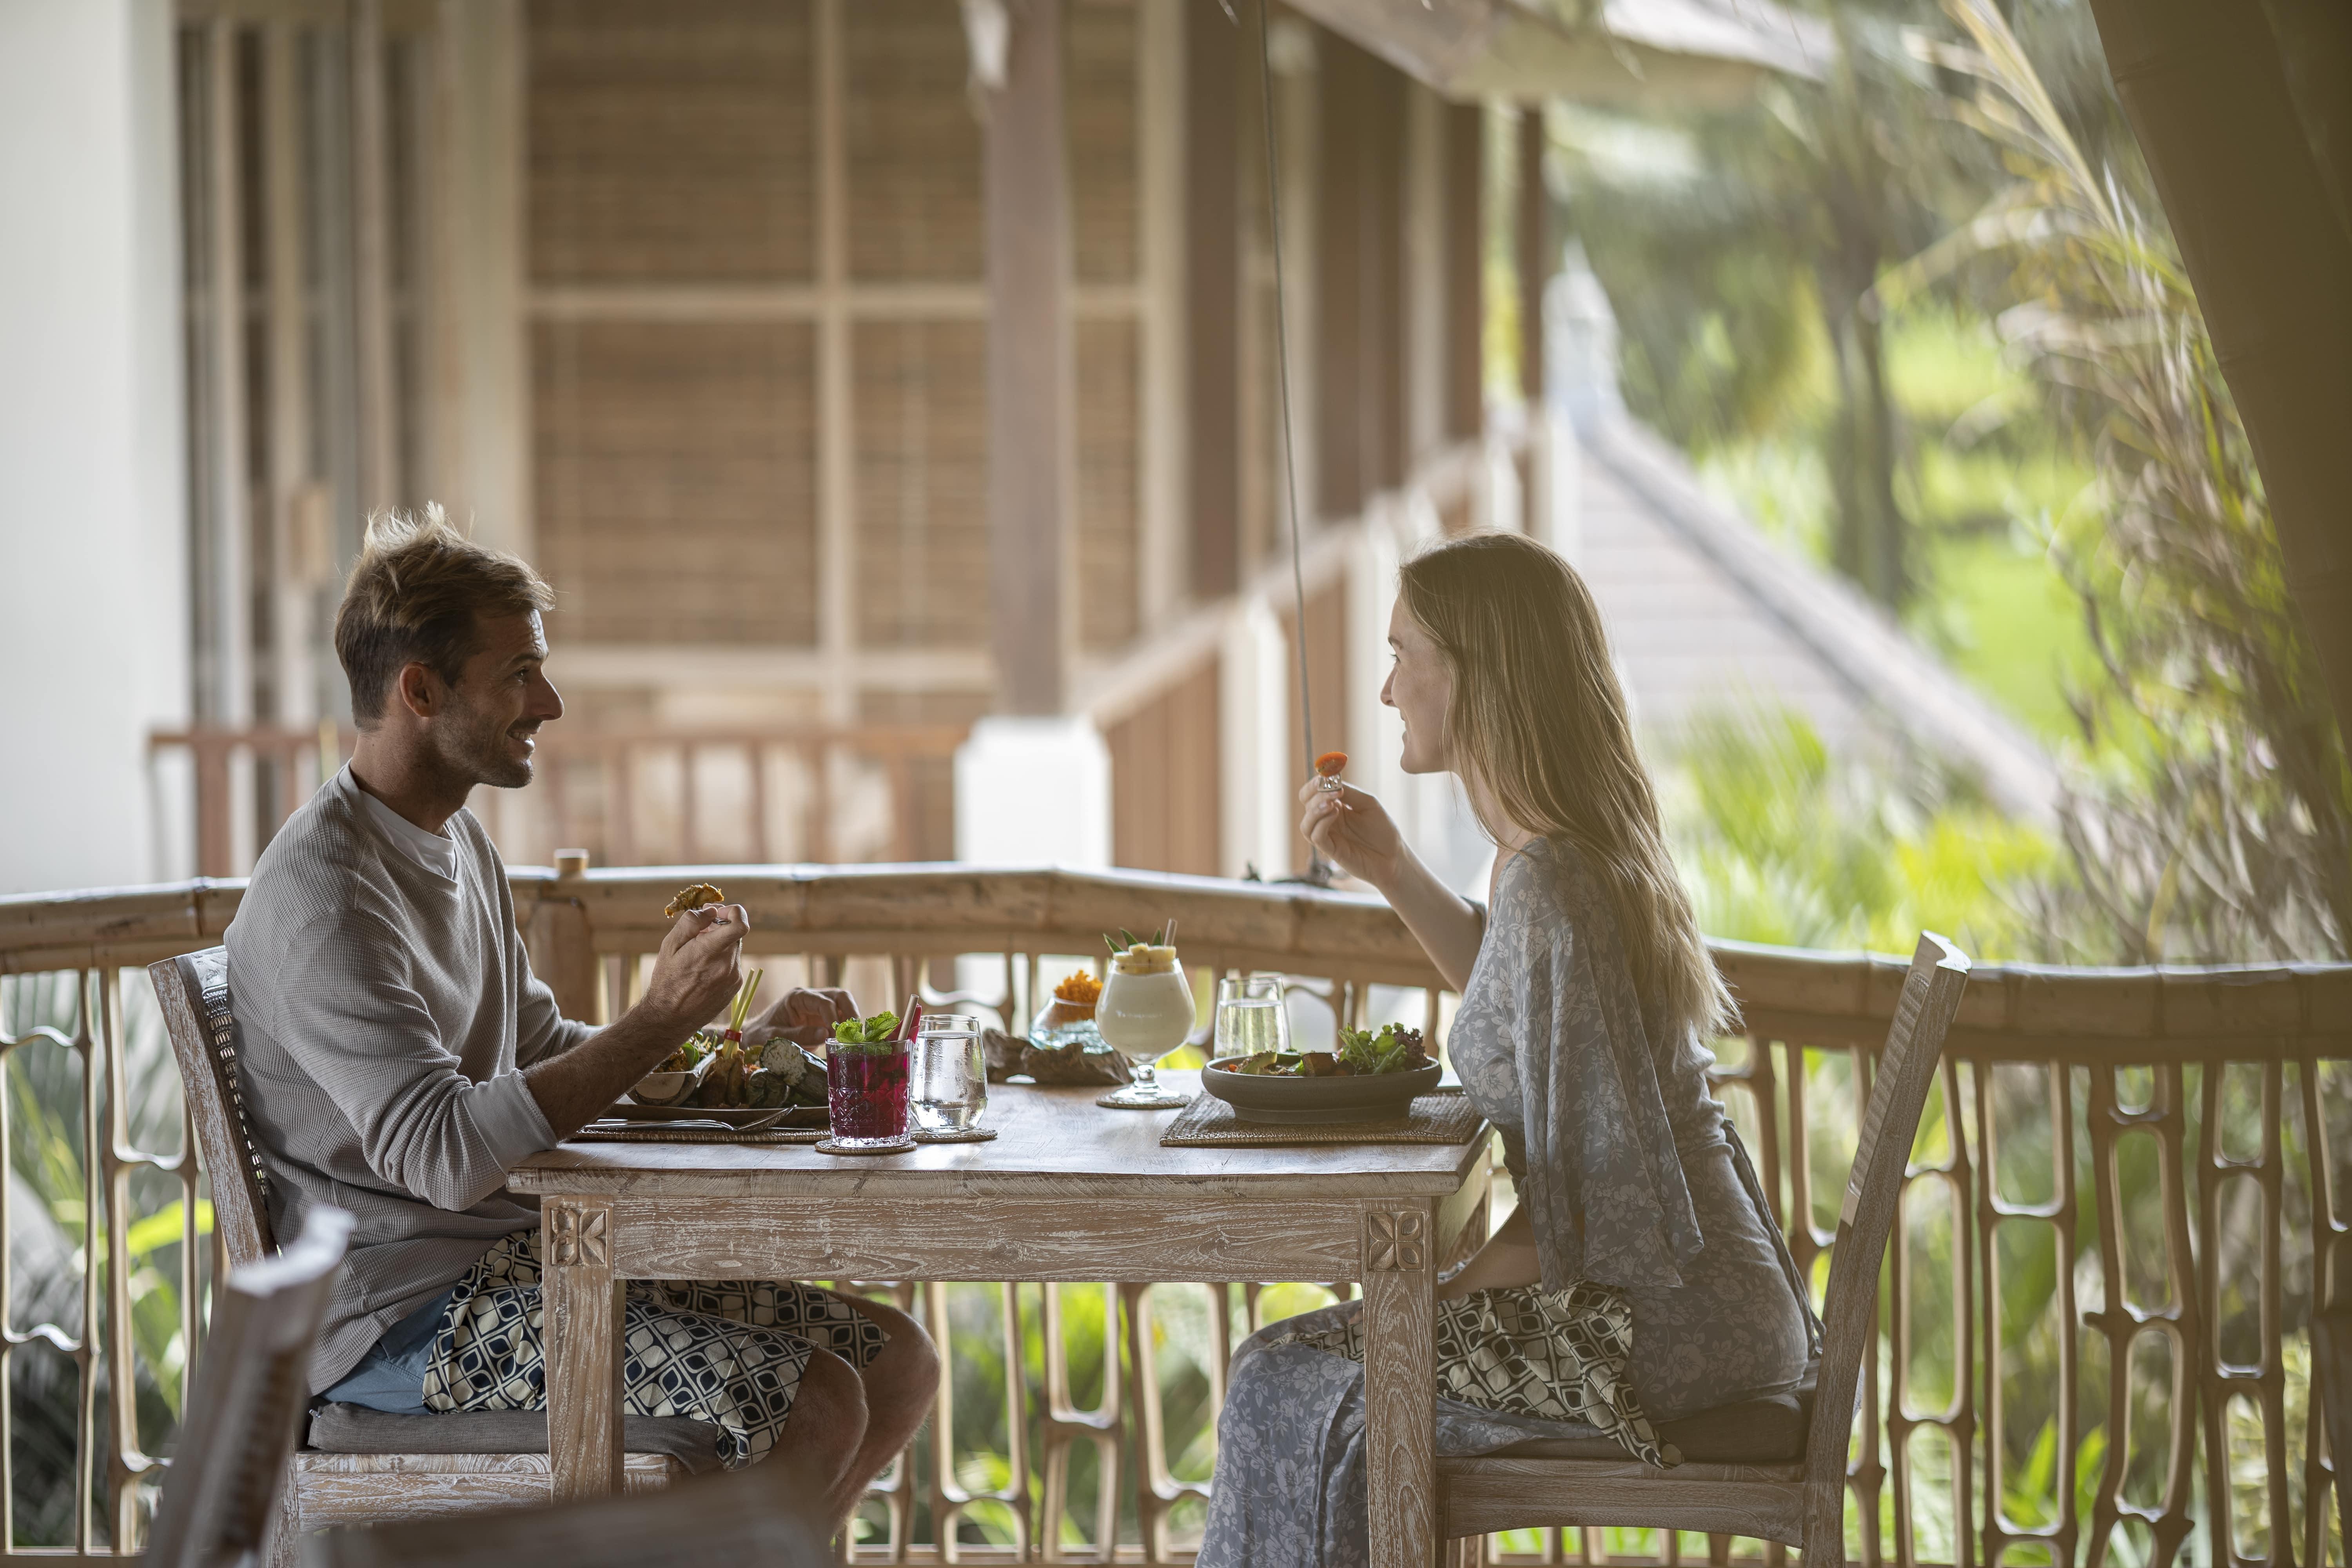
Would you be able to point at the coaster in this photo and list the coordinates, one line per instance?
(955, 1135)
(1176, 1103)
(829, 1147)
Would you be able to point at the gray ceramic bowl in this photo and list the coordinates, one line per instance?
(1375, 1098)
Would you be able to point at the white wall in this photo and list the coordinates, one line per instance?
(93, 632)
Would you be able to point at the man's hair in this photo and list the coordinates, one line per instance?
(417, 597)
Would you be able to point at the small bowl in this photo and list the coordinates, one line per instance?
(1375, 1096)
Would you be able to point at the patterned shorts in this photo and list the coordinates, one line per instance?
(727, 1352)
(1557, 1355)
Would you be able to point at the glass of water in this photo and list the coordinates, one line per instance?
(1250, 1015)
(950, 1072)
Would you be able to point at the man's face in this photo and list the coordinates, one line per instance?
(484, 728)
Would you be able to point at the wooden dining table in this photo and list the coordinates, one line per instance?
(1067, 1191)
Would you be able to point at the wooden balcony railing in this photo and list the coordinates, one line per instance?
(2121, 1208)
(641, 796)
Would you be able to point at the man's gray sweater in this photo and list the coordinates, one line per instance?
(387, 1008)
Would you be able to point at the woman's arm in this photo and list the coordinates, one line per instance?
(1509, 1259)
(1355, 832)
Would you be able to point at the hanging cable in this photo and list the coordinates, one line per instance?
(1317, 872)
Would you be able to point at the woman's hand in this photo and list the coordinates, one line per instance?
(1353, 831)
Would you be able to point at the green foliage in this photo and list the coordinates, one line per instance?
(2213, 820)
(1780, 845)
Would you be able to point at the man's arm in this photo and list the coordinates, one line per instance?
(698, 970)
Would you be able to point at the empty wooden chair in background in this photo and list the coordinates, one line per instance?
(354, 1466)
(220, 1495)
(750, 1517)
(1744, 1475)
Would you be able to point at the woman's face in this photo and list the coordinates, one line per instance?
(1420, 687)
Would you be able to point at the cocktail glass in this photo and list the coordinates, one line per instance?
(1144, 1014)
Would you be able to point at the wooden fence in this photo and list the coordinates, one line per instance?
(2094, 1341)
(634, 796)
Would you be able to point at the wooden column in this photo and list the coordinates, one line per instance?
(1380, 249)
(1029, 365)
(1533, 251)
(379, 460)
(1463, 179)
(1339, 286)
(1212, 297)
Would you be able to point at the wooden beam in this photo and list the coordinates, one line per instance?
(1212, 297)
(1029, 365)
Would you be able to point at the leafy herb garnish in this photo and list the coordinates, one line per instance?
(867, 1033)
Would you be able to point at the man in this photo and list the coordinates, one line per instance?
(399, 1058)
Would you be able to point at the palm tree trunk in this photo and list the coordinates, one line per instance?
(2204, 88)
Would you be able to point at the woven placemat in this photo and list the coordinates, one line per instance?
(654, 1132)
(1209, 1121)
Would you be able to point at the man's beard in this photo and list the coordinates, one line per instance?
(479, 754)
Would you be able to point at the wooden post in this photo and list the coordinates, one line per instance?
(1400, 1279)
(1339, 300)
(1464, 179)
(1029, 365)
(1212, 297)
(1533, 250)
(558, 939)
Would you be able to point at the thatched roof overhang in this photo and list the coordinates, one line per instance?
(1624, 54)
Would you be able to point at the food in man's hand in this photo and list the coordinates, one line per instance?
(694, 896)
(1327, 769)
(1362, 1053)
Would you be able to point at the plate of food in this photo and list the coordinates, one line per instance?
(715, 1076)
(1372, 1076)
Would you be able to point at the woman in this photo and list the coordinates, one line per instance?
(1586, 992)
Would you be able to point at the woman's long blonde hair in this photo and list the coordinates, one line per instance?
(1538, 721)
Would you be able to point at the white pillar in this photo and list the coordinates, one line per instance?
(1033, 792)
(1254, 737)
(93, 570)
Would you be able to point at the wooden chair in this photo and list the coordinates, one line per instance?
(458, 1463)
(1795, 1495)
(220, 1495)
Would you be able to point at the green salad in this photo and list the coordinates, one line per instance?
(1362, 1053)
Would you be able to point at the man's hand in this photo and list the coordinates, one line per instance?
(699, 969)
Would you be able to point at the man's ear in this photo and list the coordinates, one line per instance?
(419, 689)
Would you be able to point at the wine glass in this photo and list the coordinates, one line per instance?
(1146, 1011)
(1250, 1016)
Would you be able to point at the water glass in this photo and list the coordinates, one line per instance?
(1250, 1015)
(951, 1073)
(865, 1095)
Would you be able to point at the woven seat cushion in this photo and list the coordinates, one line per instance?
(356, 1429)
(1752, 1431)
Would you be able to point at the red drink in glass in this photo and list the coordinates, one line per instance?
(866, 1090)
